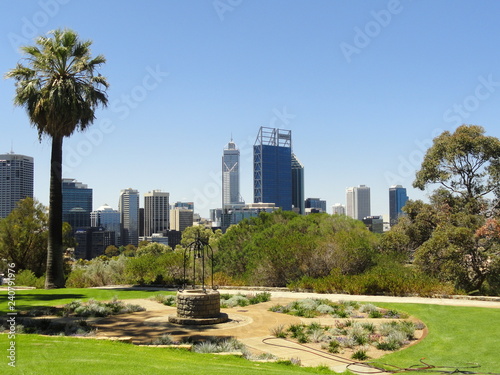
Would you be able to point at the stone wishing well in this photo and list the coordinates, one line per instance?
(198, 306)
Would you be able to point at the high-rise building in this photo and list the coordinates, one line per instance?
(338, 209)
(156, 212)
(397, 200)
(358, 202)
(318, 205)
(231, 175)
(16, 181)
(76, 203)
(109, 219)
(92, 242)
(128, 206)
(180, 219)
(186, 205)
(374, 224)
(273, 167)
(298, 203)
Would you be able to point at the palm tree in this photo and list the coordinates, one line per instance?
(60, 91)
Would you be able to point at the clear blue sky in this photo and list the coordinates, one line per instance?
(363, 85)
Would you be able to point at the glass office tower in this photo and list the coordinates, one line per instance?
(273, 167)
(76, 203)
(397, 200)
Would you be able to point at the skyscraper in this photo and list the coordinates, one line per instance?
(358, 202)
(16, 181)
(397, 200)
(273, 167)
(156, 212)
(180, 219)
(128, 206)
(231, 175)
(297, 185)
(317, 204)
(109, 219)
(76, 203)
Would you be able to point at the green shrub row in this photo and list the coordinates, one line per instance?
(389, 279)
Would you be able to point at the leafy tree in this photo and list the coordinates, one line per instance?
(276, 249)
(60, 91)
(111, 251)
(154, 249)
(190, 234)
(129, 250)
(23, 236)
(466, 162)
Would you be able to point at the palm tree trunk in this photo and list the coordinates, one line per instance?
(55, 270)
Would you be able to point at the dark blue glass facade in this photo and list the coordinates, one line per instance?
(397, 200)
(273, 164)
(77, 204)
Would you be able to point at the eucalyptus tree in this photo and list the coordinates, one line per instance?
(466, 163)
(58, 85)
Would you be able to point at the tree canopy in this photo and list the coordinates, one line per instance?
(466, 162)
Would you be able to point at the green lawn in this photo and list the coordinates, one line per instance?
(40, 355)
(29, 298)
(457, 336)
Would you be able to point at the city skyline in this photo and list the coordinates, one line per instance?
(363, 85)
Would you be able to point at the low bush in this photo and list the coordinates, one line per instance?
(28, 278)
(99, 309)
(165, 339)
(360, 355)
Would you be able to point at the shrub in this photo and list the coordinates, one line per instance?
(334, 346)
(219, 346)
(259, 298)
(237, 300)
(279, 331)
(28, 278)
(100, 309)
(165, 339)
(316, 335)
(98, 272)
(360, 355)
(166, 299)
(325, 309)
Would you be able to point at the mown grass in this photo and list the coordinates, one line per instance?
(39, 355)
(458, 336)
(29, 298)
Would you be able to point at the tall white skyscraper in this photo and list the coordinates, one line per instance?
(358, 202)
(16, 181)
(109, 219)
(156, 212)
(128, 206)
(231, 175)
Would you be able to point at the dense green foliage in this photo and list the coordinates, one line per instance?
(23, 236)
(279, 248)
